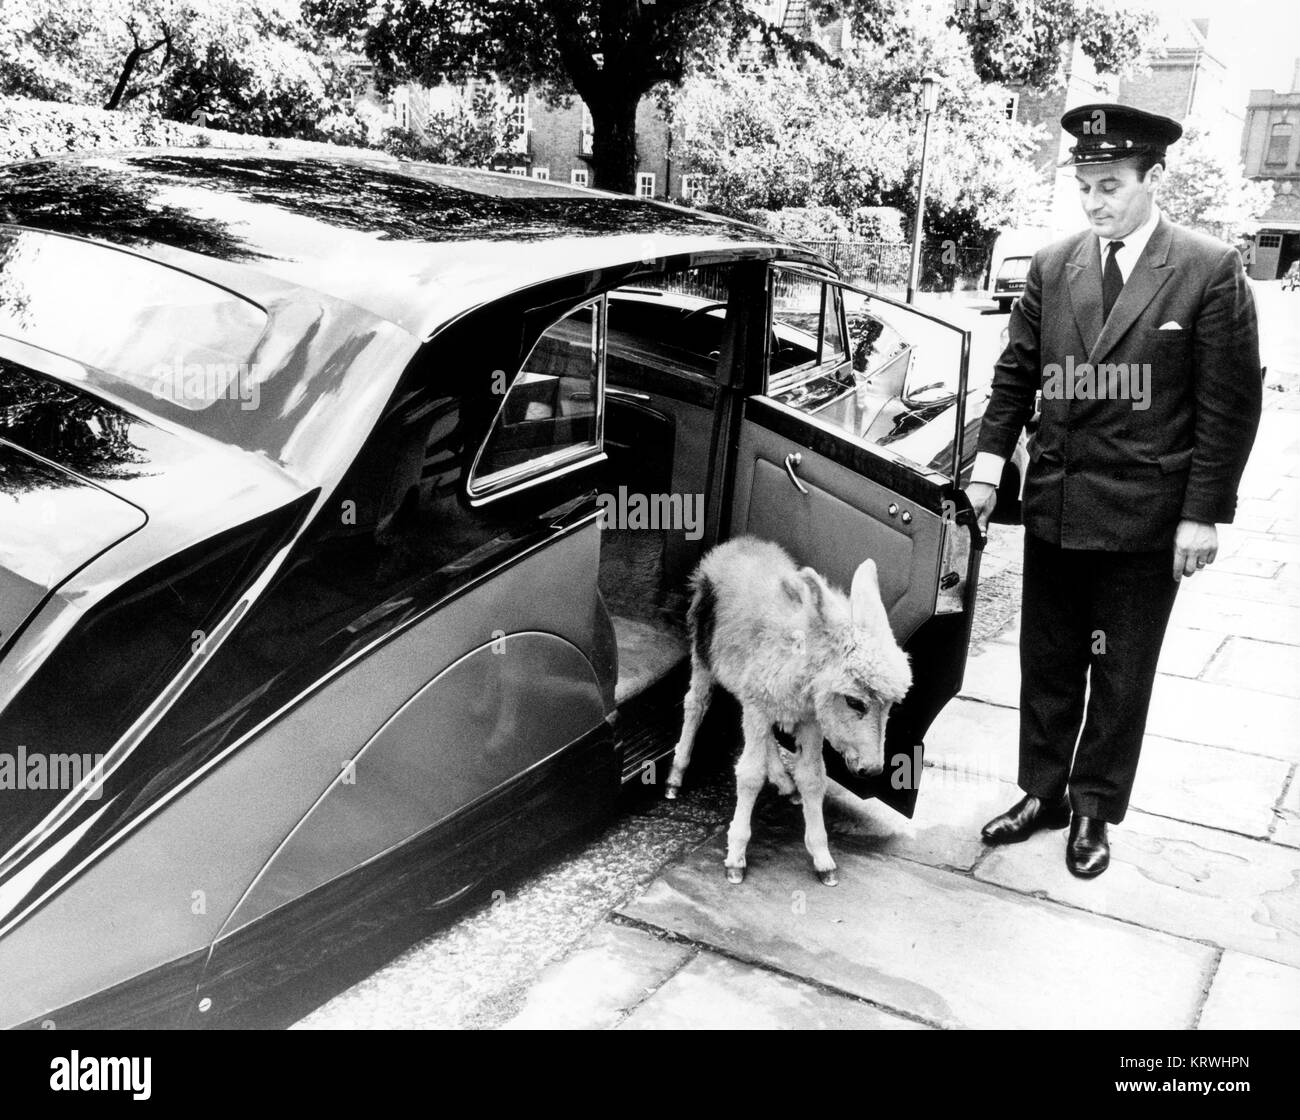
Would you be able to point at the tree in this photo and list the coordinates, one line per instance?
(847, 137)
(612, 53)
(469, 134)
(1205, 188)
(1027, 41)
(248, 65)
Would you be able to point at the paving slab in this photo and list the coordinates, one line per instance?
(1186, 652)
(1251, 994)
(596, 986)
(714, 993)
(976, 738)
(1215, 581)
(1262, 666)
(934, 944)
(1212, 786)
(951, 807)
(1265, 548)
(993, 675)
(1287, 829)
(1219, 715)
(1268, 622)
(1248, 566)
(1289, 573)
(1184, 879)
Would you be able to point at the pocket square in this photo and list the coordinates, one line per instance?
(1172, 325)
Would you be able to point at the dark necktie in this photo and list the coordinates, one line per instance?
(1112, 280)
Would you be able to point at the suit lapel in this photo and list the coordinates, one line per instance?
(1149, 275)
(1084, 273)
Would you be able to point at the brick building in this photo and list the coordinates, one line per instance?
(1188, 82)
(1270, 149)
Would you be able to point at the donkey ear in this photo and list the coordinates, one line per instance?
(864, 598)
(795, 589)
(816, 590)
(805, 589)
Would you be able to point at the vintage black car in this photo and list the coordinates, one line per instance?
(346, 514)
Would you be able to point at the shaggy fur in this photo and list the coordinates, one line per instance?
(799, 654)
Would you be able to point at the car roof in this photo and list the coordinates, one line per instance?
(416, 244)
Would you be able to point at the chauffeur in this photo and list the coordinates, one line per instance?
(1141, 337)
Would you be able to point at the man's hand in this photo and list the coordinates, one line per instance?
(983, 496)
(1196, 544)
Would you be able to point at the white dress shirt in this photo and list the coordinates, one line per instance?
(988, 467)
(1134, 243)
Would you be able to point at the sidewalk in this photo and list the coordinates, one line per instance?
(1196, 924)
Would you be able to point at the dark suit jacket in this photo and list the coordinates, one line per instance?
(1104, 474)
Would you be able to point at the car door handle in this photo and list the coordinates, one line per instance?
(791, 462)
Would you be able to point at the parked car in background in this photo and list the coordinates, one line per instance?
(1009, 283)
(347, 510)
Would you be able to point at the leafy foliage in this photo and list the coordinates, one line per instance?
(248, 65)
(469, 135)
(1206, 188)
(848, 137)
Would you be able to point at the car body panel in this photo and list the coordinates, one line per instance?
(216, 834)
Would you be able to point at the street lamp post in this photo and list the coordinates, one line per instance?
(929, 99)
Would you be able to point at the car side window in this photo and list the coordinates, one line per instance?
(550, 414)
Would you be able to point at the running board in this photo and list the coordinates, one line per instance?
(648, 726)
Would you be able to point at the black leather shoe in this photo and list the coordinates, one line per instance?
(1087, 853)
(1026, 817)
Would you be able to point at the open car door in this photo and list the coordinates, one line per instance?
(852, 447)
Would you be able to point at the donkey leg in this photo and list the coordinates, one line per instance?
(696, 704)
(751, 773)
(810, 777)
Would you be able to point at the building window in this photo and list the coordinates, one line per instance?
(402, 106)
(693, 188)
(1279, 145)
(520, 170)
(1270, 241)
(542, 173)
(1010, 106)
(580, 177)
(645, 184)
(519, 120)
(587, 135)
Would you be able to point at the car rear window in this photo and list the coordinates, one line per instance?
(161, 330)
(1014, 268)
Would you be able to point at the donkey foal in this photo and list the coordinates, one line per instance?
(796, 653)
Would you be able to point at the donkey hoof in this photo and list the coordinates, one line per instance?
(829, 878)
(670, 793)
(735, 874)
